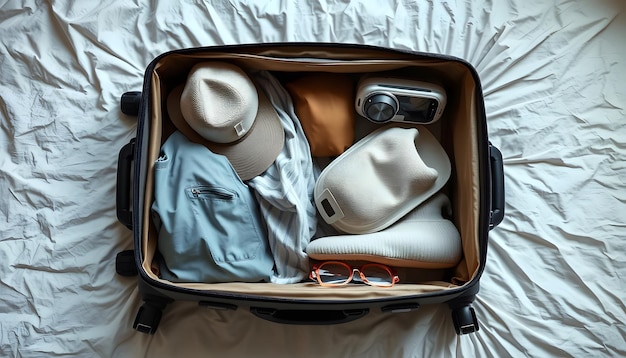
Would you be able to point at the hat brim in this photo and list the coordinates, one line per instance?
(411, 242)
(251, 155)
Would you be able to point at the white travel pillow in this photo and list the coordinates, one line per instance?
(422, 239)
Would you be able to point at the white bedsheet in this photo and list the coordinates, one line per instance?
(554, 79)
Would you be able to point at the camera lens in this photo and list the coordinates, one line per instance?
(380, 108)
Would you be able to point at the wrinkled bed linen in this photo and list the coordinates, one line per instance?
(553, 75)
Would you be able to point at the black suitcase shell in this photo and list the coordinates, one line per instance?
(131, 192)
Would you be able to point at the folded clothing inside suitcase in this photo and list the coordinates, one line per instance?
(289, 212)
(210, 228)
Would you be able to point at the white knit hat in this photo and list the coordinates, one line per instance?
(220, 107)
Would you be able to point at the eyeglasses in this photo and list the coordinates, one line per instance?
(336, 273)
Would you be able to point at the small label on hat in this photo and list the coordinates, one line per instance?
(328, 207)
(240, 129)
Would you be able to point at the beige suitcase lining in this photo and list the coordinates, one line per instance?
(458, 122)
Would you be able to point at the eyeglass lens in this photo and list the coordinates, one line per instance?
(377, 275)
(332, 273)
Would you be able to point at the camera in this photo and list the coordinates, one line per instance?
(382, 99)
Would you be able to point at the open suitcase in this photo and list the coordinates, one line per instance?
(475, 188)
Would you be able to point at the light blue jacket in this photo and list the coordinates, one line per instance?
(208, 220)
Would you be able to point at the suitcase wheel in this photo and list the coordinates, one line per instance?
(148, 318)
(464, 319)
(125, 263)
(130, 102)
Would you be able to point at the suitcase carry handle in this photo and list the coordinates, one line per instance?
(123, 194)
(497, 186)
(309, 317)
(130, 103)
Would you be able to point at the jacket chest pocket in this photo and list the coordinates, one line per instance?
(209, 192)
(229, 231)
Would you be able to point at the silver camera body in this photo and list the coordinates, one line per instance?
(383, 99)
